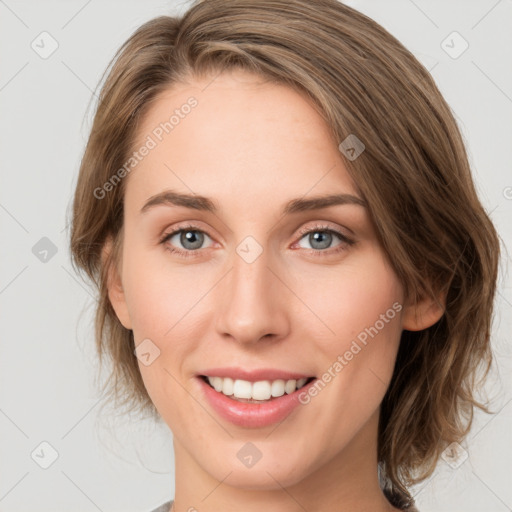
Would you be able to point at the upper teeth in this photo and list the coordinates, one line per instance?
(260, 390)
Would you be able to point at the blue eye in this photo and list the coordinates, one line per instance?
(191, 239)
(320, 239)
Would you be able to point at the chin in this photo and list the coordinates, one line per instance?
(269, 473)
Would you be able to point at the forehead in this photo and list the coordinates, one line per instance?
(236, 136)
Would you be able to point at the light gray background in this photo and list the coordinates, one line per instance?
(47, 358)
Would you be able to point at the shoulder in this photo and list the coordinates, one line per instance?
(164, 507)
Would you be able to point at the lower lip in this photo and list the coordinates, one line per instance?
(252, 415)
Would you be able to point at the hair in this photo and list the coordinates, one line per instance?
(414, 175)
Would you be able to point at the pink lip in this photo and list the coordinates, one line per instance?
(253, 375)
(251, 415)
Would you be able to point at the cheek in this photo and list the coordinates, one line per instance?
(350, 298)
(361, 305)
(162, 302)
(352, 340)
(158, 297)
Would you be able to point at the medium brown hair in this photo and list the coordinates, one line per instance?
(414, 175)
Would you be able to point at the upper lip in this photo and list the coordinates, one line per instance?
(253, 375)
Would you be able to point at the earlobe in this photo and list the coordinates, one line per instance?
(423, 313)
(114, 285)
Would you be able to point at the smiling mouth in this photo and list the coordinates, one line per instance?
(255, 392)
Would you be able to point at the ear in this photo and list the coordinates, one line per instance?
(424, 313)
(114, 286)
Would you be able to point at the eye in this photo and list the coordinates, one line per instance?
(191, 239)
(321, 238)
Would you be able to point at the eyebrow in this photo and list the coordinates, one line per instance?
(202, 203)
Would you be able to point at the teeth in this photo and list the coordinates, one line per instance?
(227, 386)
(277, 388)
(242, 389)
(217, 383)
(261, 390)
(290, 386)
(301, 382)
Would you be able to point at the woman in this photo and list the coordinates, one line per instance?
(294, 269)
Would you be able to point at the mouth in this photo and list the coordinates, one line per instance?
(254, 398)
(258, 392)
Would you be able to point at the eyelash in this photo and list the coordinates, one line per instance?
(304, 231)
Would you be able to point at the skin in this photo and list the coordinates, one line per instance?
(251, 146)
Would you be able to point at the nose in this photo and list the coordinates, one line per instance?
(252, 301)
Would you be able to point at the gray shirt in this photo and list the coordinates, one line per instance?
(164, 508)
(167, 506)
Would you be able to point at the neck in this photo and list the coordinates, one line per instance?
(346, 482)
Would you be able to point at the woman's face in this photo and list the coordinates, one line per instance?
(262, 285)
